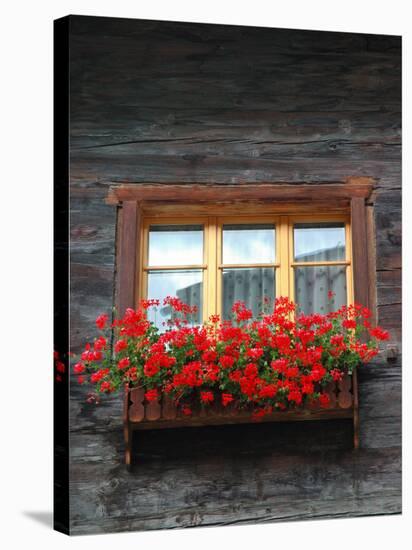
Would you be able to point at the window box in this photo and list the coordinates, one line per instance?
(141, 415)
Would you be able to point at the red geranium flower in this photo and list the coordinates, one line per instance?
(120, 345)
(100, 343)
(324, 400)
(268, 391)
(226, 399)
(379, 333)
(227, 361)
(206, 397)
(214, 318)
(336, 374)
(101, 321)
(78, 368)
(254, 353)
(296, 396)
(150, 369)
(307, 388)
(318, 372)
(106, 387)
(279, 365)
(349, 323)
(151, 395)
(123, 363)
(98, 375)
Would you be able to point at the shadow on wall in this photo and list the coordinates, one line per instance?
(199, 445)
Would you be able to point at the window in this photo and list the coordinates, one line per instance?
(321, 265)
(247, 265)
(175, 266)
(214, 261)
(301, 241)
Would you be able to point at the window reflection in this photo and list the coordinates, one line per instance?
(249, 285)
(187, 285)
(175, 245)
(316, 242)
(249, 244)
(312, 285)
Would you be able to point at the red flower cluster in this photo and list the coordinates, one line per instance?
(279, 361)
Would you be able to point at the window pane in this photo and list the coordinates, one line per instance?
(251, 286)
(249, 244)
(316, 242)
(312, 285)
(185, 284)
(175, 245)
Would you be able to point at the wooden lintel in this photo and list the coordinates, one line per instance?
(235, 207)
(197, 192)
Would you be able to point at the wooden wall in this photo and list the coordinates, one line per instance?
(166, 102)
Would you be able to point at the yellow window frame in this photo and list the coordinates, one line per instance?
(212, 251)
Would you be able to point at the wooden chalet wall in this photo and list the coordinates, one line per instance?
(171, 102)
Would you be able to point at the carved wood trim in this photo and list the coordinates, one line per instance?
(155, 415)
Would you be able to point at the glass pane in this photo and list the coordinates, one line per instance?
(312, 285)
(249, 244)
(185, 284)
(175, 245)
(249, 285)
(316, 242)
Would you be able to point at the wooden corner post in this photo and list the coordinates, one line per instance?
(361, 284)
(129, 227)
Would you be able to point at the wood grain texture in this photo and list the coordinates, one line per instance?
(136, 409)
(194, 193)
(128, 254)
(173, 102)
(188, 478)
(360, 251)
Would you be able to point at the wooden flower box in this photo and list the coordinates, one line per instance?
(142, 415)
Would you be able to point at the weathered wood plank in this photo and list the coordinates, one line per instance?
(91, 293)
(204, 169)
(128, 254)
(175, 476)
(360, 251)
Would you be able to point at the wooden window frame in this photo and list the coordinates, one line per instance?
(143, 268)
(139, 203)
(212, 265)
(343, 217)
(256, 218)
